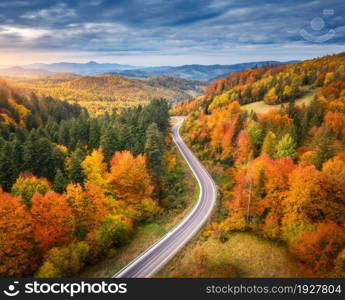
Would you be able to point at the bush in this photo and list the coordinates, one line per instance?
(64, 261)
(235, 222)
(114, 231)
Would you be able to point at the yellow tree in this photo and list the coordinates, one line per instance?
(95, 169)
(88, 207)
(271, 96)
(129, 177)
(130, 181)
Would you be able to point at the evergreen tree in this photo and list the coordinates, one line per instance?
(17, 155)
(109, 143)
(29, 152)
(93, 134)
(60, 182)
(73, 134)
(256, 134)
(63, 135)
(286, 147)
(268, 146)
(76, 174)
(154, 150)
(8, 169)
(323, 145)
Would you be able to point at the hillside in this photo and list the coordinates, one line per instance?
(21, 111)
(108, 91)
(190, 87)
(262, 107)
(280, 171)
(275, 85)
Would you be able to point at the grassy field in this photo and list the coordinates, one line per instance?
(244, 254)
(261, 107)
(147, 234)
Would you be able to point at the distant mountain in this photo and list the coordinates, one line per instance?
(23, 72)
(192, 72)
(196, 72)
(90, 68)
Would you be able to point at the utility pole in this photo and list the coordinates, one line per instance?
(249, 197)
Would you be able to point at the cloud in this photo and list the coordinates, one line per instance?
(24, 33)
(55, 12)
(202, 28)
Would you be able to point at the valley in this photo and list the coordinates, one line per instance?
(100, 146)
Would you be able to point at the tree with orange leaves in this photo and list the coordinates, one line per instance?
(319, 248)
(313, 197)
(336, 122)
(88, 207)
(129, 178)
(244, 149)
(53, 222)
(130, 181)
(17, 256)
(335, 167)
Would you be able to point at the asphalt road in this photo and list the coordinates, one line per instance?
(154, 258)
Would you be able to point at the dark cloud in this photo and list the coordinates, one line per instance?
(166, 27)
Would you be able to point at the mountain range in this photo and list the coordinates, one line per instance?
(191, 72)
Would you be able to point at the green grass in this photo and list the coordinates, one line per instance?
(145, 236)
(247, 254)
(261, 107)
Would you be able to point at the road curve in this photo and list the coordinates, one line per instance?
(155, 257)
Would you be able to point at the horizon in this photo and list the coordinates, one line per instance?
(160, 33)
(148, 66)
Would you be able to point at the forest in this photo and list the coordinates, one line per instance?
(281, 173)
(74, 186)
(106, 92)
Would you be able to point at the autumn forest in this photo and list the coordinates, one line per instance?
(74, 186)
(281, 172)
(77, 181)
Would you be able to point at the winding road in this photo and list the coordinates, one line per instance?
(155, 257)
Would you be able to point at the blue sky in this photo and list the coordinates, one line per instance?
(169, 32)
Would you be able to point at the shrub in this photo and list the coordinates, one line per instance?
(64, 261)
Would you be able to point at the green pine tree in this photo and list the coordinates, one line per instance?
(154, 150)
(286, 147)
(8, 169)
(60, 182)
(94, 134)
(109, 143)
(268, 146)
(76, 174)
